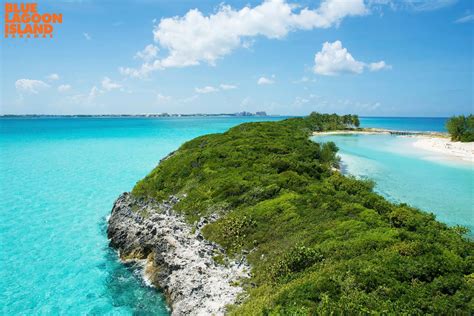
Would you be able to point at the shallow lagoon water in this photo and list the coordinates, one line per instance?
(403, 173)
(60, 177)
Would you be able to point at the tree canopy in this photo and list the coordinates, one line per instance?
(461, 128)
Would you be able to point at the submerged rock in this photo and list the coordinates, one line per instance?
(177, 257)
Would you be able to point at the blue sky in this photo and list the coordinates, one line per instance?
(369, 57)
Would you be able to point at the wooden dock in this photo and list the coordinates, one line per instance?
(404, 133)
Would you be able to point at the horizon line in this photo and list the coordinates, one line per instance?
(177, 115)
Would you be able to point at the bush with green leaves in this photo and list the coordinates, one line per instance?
(461, 128)
(318, 242)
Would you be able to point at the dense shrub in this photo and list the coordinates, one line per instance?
(318, 242)
(461, 128)
(295, 260)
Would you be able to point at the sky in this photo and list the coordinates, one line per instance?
(367, 57)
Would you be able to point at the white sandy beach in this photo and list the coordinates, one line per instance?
(437, 143)
(456, 150)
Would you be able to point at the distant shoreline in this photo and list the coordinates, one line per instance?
(155, 115)
(384, 131)
(195, 114)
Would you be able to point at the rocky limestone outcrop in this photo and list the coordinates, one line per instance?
(177, 257)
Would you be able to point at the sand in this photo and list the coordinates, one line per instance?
(434, 142)
(458, 150)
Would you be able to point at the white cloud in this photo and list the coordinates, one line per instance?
(52, 77)
(465, 19)
(211, 89)
(149, 53)
(428, 5)
(30, 85)
(195, 38)
(190, 99)
(414, 5)
(379, 66)
(143, 71)
(87, 36)
(108, 84)
(300, 101)
(64, 88)
(94, 93)
(362, 106)
(86, 98)
(160, 98)
(333, 59)
(224, 86)
(207, 89)
(327, 104)
(304, 79)
(265, 81)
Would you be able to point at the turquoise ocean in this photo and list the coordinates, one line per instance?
(60, 177)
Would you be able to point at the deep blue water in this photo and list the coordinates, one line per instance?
(59, 179)
(432, 124)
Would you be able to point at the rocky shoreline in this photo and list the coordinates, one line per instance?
(177, 258)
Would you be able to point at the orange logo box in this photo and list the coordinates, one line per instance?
(24, 20)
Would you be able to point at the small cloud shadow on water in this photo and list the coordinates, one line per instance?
(124, 287)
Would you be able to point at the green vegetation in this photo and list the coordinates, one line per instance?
(461, 128)
(318, 242)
